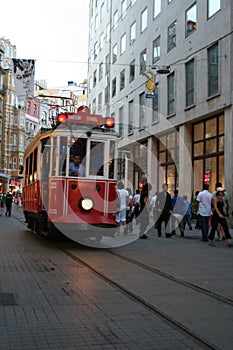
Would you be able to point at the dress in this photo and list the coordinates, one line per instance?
(216, 219)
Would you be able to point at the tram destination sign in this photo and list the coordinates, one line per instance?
(83, 118)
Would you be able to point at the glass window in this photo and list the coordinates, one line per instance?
(132, 33)
(213, 7)
(131, 117)
(97, 158)
(101, 67)
(189, 79)
(156, 50)
(143, 61)
(208, 152)
(115, 19)
(102, 11)
(144, 15)
(108, 32)
(155, 105)
(157, 7)
(114, 87)
(114, 53)
(111, 160)
(191, 19)
(100, 100)
(213, 70)
(122, 79)
(123, 43)
(123, 9)
(142, 110)
(171, 36)
(132, 71)
(94, 78)
(171, 94)
(107, 63)
(101, 41)
(121, 121)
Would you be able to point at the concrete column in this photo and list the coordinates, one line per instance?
(152, 164)
(185, 171)
(228, 158)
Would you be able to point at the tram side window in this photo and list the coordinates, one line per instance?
(27, 171)
(45, 158)
(54, 157)
(35, 165)
(62, 156)
(111, 161)
(97, 158)
(77, 164)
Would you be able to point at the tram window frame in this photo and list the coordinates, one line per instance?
(80, 148)
(96, 172)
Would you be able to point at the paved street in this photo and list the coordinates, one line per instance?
(50, 301)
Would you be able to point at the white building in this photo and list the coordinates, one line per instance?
(183, 136)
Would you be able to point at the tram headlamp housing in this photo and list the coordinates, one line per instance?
(86, 204)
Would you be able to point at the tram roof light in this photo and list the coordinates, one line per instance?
(61, 118)
(109, 122)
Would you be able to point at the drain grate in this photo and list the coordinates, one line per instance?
(7, 299)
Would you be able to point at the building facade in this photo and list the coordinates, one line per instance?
(163, 69)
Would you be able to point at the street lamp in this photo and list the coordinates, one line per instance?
(162, 69)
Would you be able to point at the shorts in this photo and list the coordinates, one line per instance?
(121, 216)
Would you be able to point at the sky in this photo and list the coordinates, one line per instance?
(53, 32)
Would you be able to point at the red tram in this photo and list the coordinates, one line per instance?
(59, 200)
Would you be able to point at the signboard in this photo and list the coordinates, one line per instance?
(83, 118)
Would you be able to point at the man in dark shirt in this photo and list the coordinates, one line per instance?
(164, 209)
(8, 202)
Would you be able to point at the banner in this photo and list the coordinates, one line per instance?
(24, 73)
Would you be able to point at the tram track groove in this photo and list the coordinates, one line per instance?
(196, 287)
(130, 294)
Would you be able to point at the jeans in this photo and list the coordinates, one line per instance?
(204, 220)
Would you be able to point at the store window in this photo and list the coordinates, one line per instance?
(208, 152)
(168, 158)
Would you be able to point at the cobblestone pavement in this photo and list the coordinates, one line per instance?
(49, 301)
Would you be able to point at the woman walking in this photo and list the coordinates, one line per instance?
(219, 218)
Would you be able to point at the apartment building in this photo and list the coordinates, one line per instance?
(179, 132)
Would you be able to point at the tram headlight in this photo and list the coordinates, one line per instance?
(86, 204)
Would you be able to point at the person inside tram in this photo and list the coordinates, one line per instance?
(76, 168)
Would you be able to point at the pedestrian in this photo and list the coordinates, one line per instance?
(122, 198)
(8, 203)
(194, 210)
(136, 202)
(164, 209)
(204, 210)
(219, 217)
(1, 205)
(225, 208)
(144, 207)
(129, 212)
(187, 216)
(153, 207)
(178, 212)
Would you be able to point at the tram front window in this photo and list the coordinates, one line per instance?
(97, 158)
(78, 158)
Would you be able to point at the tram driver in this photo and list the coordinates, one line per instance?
(76, 168)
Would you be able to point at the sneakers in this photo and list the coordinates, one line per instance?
(212, 244)
(143, 236)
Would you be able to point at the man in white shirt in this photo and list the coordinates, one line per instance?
(204, 211)
(123, 198)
